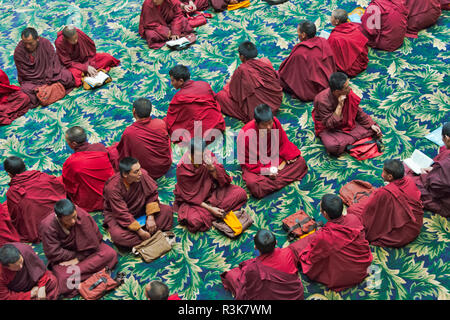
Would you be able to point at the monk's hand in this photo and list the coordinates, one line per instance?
(426, 170)
(41, 295)
(291, 161)
(151, 224)
(209, 163)
(92, 72)
(174, 37)
(69, 263)
(233, 1)
(376, 129)
(34, 292)
(217, 212)
(144, 235)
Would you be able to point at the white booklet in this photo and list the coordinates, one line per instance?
(417, 161)
(324, 34)
(179, 41)
(98, 80)
(436, 136)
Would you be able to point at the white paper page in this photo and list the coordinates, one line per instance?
(436, 136)
(97, 80)
(324, 34)
(417, 161)
(179, 41)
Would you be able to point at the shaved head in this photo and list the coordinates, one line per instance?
(69, 31)
(340, 15)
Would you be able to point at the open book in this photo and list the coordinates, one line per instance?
(98, 80)
(180, 41)
(436, 136)
(417, 161)
(324, 34)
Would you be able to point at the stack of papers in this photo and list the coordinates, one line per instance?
(418, 161)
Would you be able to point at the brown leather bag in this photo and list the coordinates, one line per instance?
(355, 191)
(299, 225)
(153, 248)
(243, 217)
(95, 287)
(48, 94)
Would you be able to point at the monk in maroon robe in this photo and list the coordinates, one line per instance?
(13, 102)
(434, 182)
(422, 14)
(130, 194)
(77, 52)
(204, 192)
(191, 6)
(23, 275)
(254, 82)
(30, 197)
(349, 44)
(85, 172)
(161, 21)
(445, 4)
(147, 140)
(306, 71)
(38, 64)
(193, 111)
(271, 276)
(8, 232)
(269, 161)
(392, 215)
(73, 246)
(337, 255)
(384, 23)
(338, 119)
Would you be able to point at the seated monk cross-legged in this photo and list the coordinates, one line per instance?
(13, 101)
(421, 15)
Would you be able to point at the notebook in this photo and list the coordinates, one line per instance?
(142, 220)
(355, 18)
(417, 161)
(436, 136)
(98, 80)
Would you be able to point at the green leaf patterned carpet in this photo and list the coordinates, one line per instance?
(406, 92)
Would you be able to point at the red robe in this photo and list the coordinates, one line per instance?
(445, 4)
(336, 133)
(83, 241)
(435, 185)
(393, 215)
(148, 141)
(272, 276)
(84, 175)
(31, 197)
(156, 22)
(40, 68)
(393, 23)
(254, 82)
(194, 102)
(337, 255)
(13, 102)
(123, 206)
(255, 167)
(17, 285)
(307, 69)
(8, 232)
(174, 297)
(422, 14)
(196, 185)
(350, 49)
(78, 57)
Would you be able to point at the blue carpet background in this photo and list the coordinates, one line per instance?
(406, 92)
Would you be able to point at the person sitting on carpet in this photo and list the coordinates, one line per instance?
(157, 290)
(13, 101)
(338, 254)
(339, 121)
(421, 15)
(273, 275)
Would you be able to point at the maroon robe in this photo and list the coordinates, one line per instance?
(337, 255)
(255, 168)
(156, 22)
(201, 5)
(336, 133)
(17, 285)
(77, 58)
(31, 197)
(196, 185)
(393, 24)
(194, 102)
(271, 276)
(8, 232)
(148, 141)
(84, 175)
(83, 241)
(254, 82)
(445, 4)
(123, 206)
(40, 68)
(422, 14)
(13, 102)
(393, 215)
(350, 49)
(435, 185)
(306, 71)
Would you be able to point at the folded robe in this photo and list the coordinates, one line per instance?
(306, 70)
(77, 58)
(254, 82)
(148, 141)
(196, 185)
(350, 49)
(156, 22)
(40, 68)
(17, 285)
(84, 175)
(391, 31)
(422, 14)
(31, 197)
(393, 215)
(13, 102)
